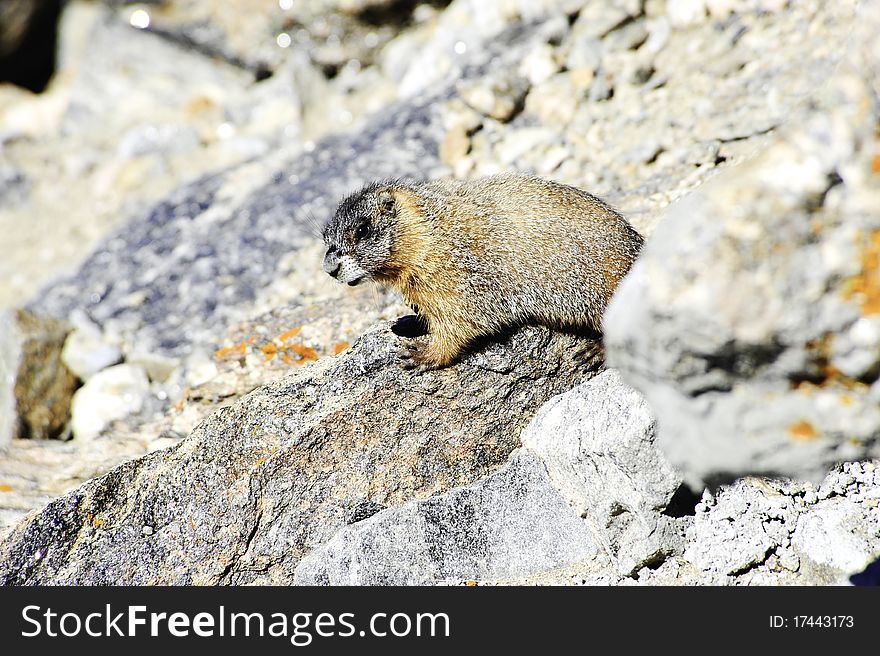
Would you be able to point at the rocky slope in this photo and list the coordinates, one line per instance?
(284, 444)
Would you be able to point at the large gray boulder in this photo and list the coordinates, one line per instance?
(588, 482)
(597, 443)
(512, 523)
(258, 484)
(751, 321)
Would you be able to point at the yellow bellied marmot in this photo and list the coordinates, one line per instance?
(476, 257)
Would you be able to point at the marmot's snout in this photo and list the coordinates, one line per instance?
(344, 269)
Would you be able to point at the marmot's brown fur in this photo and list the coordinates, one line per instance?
(476, 257)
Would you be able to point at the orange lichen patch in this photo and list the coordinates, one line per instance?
(865, 285)
(875, 163)
(470, 583)
(825, 374)
(97, 522)
(293, 332)
(286, 359)
(803, 431)
(846, 399)
(192, 524)
(238, 349)
(5, 488)
(269, 350)
(339, 347)
(304, 352)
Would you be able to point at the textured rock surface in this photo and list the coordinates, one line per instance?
(760, 531)
(597, 443)
(587, 480)
(751, 321)
(511, 523)
(259, 483)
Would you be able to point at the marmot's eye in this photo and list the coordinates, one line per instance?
(361, 231)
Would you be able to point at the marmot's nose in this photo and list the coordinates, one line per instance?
(331, 264)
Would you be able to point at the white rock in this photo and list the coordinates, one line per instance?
(839, 533)
(109, 395)
(519, 142)
(682, 13)
(539, 65)
(86, 350)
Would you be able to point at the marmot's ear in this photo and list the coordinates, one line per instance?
(385, 199)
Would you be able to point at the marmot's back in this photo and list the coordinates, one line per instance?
(541, 250)
(480, 255)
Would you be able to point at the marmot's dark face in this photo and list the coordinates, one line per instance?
(359, 235)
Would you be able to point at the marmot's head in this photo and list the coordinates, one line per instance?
(359, 236)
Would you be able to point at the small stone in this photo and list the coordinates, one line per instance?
(158, 367)
(540, 64)
(683, 13)
(601, 89)
(147, 530)
(554, 101)
(629, 37)
(582, 78)
(584, 54)
(111, 394)
(463, 167)
(517, 143)
(456, 113)
(552, 158)
(454, 146)
(499, 98)
(86, 351)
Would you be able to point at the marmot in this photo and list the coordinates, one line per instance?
(475, 257)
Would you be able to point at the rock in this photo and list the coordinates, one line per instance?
(540, 64)
(111, 394)
(597, 442)
(555, 101)
(260, 483)
(842, 532)
(86, 351)
(760, 531)
(511, 523)
(683, 13)
(750, 321)
(598, 19)
(499, 97)
(455, 145)
(517, 143)
(35, 386)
